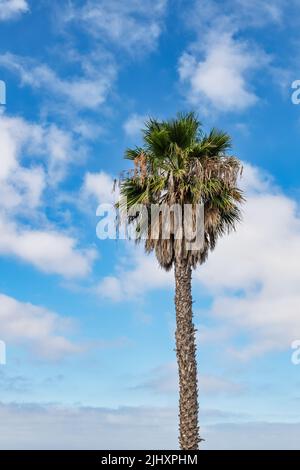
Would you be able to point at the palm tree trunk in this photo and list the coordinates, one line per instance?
(186, 358)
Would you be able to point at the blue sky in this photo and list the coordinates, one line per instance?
(89, 324)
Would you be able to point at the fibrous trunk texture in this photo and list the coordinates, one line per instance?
(186, 358)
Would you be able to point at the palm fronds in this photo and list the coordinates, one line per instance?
(180, 164)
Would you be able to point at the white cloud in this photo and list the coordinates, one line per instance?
(50, 148)
(10, 9)
(88, 90)
(22, 188)
(145, 275)
(19, 186)
(221, 77)
(100, 187)
(48, 250)
(37, 426)
(256, 13)
(36, 328)
(134, 124)
(41, 427)
(61, 149)
(111, 288)
(239, 14)
(131, 25)
(219, 68)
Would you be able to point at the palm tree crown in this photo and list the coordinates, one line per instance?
(180, 164)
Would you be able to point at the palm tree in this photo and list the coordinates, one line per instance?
(180, 164)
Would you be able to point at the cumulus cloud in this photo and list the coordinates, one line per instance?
(49, 251)
(218, 69)
(22, 190)
(134, 124)
(38, 329)
(20, 186)
(50, 149)
(220, 79)
(10, 9)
